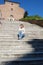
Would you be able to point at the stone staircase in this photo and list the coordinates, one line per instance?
(29, 48)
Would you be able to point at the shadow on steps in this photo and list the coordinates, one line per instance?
(34, 58)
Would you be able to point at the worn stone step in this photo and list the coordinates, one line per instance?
(18, 57)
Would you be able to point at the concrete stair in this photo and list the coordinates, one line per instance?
(12, 49)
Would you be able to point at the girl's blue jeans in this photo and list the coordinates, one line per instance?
(20, 35)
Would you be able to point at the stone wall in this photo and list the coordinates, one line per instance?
(37, 22)
(10, 8)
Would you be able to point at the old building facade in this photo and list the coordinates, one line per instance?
(10, 8)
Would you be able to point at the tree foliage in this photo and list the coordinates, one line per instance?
(35, 17)
(25, 14)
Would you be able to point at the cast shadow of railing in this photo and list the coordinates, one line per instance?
(36, 55)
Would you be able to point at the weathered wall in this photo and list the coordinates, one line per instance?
(6, 11)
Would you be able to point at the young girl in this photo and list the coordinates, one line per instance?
(21, 33)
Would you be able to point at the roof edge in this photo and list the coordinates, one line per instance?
(11, 1)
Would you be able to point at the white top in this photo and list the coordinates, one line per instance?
(22, 29)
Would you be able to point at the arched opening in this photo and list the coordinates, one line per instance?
(11, 18)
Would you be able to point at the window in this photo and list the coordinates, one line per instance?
(11, 9)
(11, 15)
(11, 18)
(11, 3)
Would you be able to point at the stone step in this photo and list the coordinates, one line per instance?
(18, 57)
(17, 45)
(16, 25)
(12, 49)
(31, 62)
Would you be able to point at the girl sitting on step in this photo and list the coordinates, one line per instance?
(21, 33)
